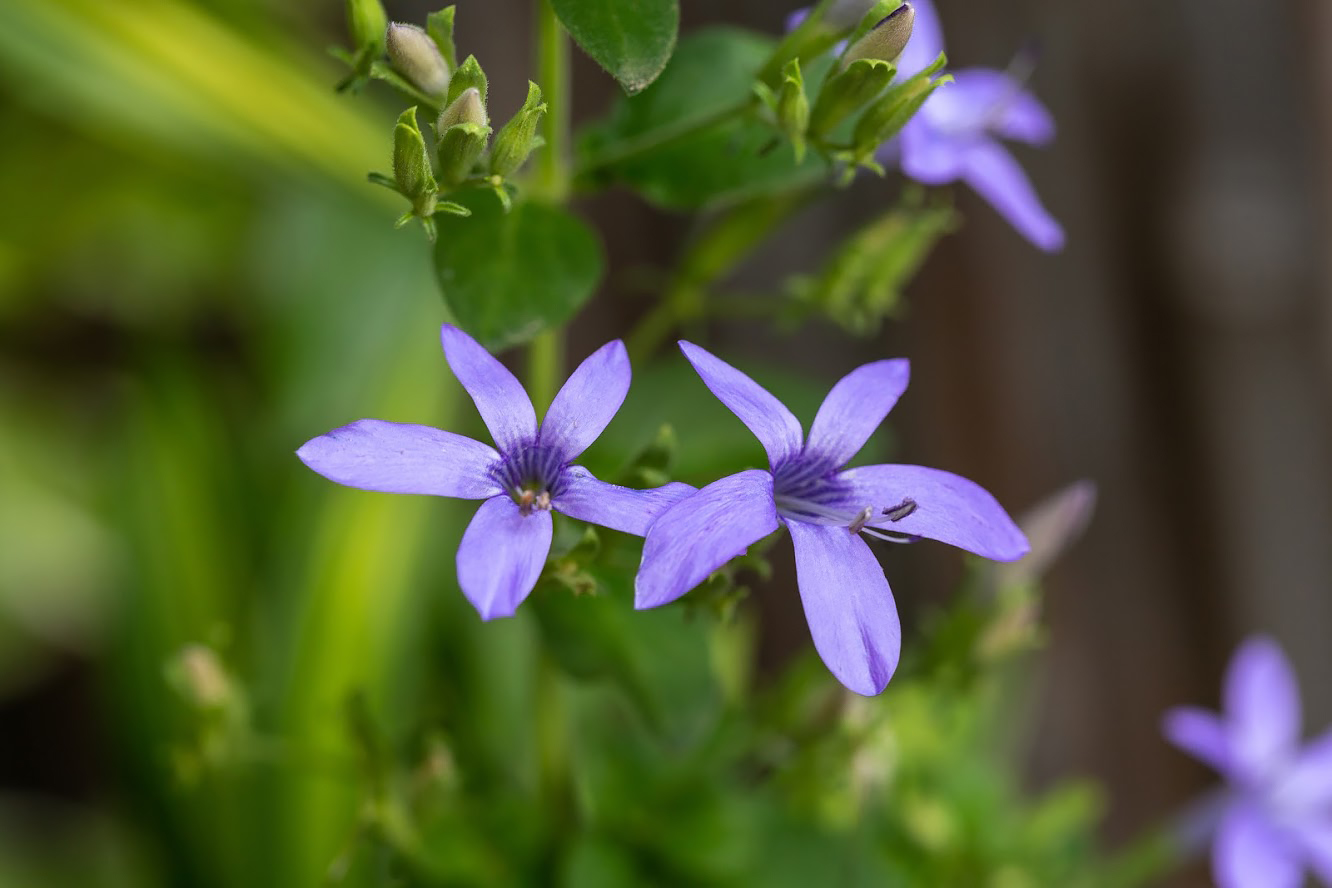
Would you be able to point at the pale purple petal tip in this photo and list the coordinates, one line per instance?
(501, 556)
(588, 401)
(986, 99)
(1262, 703)
(394, 457)
(1200, 733)
(1249, 853)
(499, 396)
(583, 497)
(848, 605)
(1315, 839)
(1307, 785)
(989, 169)
(776, 428)
(702, 532)
(947, 507)
(855, 407)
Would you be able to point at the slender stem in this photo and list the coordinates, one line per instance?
(654, 139)
(545, 361)
(552, 164)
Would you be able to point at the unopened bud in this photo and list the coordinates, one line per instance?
(793, 107)
(467, 108)
(417, 58)
(367, 22)
(847, 92)
(887, 39)
(468, 76)
(460, 147)
(411, 165)
(516, 141)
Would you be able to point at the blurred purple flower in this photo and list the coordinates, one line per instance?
(1277, 812)
(848, 604)
(955, 135)
(505, 546)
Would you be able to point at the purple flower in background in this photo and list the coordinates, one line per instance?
(504, 547)
(955, 135)
(848, 604)
(1277, 814)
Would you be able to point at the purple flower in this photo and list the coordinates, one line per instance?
(955, 135)
(1277, 813)
(504, 547)
(825, 507)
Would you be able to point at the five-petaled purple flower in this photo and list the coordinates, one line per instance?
(954, 135)
(848, 604)
(1277, 815)
(505, 546)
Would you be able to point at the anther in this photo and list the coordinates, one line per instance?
(901, 510)
(861, 520)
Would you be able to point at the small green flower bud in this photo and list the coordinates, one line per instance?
(847, 92)
(411, 165)
(367, 23)
(467, 108)
(516, 141)
(468, 76)
(417, 58)
(460, 147)
(887, 39)
(793, 107)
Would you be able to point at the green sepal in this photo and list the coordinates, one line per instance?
(452, 209)
(459, 149)
(411, 163)
(812, 37)
(469, 74)
(367, 23)
(847, 92)
(885, 118)
(793, 107)
(439, 25)
(381, 179)
(382, 70)
(519, 137)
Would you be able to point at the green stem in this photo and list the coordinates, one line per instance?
(630, 149)
(552, 166)
(545, 361)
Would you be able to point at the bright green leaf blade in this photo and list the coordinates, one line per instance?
(631, 39)
(507, 277)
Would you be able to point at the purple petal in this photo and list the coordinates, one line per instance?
(776, 428)
(395, 457)
(701, 533)
(499, 397)
(588, 400)
(926, 41)
(1249, 853)
(501, 556)
(1315, 839)
(796, 18)
(1262, 709)
(848, 606)
(1201, 734)
(929, 156)
(991, 170)
(1307, 784)
(583, 497)
(855, 407)
(982, 99)
(948, 508)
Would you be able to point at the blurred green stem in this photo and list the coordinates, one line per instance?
(552, 167)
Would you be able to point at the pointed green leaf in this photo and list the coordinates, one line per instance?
(507, 276)
(631, 39)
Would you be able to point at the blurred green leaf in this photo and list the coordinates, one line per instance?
(508, 276)
(631, 40)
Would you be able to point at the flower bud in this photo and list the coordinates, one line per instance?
(847, 92)
(886, 40)
(793, 107)
(460, 147)
(411, 165)
(416, 57)
(367, 23)
(467, 108)
(516, 141)
(468, 76)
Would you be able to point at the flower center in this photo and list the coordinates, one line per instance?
(530, 474)
(810, 490)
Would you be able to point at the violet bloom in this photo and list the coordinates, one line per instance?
(955, 135)
(1277, 813)
(848, 604)
(504, 547)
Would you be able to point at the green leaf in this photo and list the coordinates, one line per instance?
(507, 277)
(631, 39)
(688, 140)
